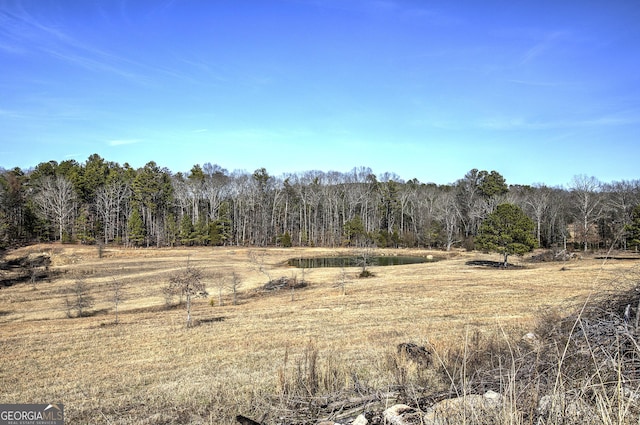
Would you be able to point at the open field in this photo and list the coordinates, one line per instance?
(151, 369)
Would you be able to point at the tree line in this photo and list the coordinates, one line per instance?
(103, 202)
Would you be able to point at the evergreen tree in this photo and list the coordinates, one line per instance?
(492, 184)
(152, 191)
(17, 215)
(94, 175)
(186, 230)
(201, 232)
(172, 230)
(83, 228)
(354, 231)
(285, 240)
(135, 228)
(508, 230)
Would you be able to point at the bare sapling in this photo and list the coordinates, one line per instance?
(118, 296)
(364, 259)
(342, 280)
(221, 283)
(78, 300)
(257, 260)
(33, 275)
(188, 283)
(293, 282)
(234, 284)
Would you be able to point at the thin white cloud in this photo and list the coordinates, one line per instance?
(402, 8)
(262, 136)
(254, 135)
(11, 114)
(541, 47)
(12, 48)
(27, 33)
(539, 83)
(519, 123)
(503, 123)
(122, 142)
(385, 5)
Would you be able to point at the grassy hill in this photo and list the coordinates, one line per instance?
(272, 350)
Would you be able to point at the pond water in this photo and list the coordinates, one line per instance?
(315, 262)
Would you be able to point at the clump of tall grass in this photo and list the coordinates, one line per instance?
(308, 376)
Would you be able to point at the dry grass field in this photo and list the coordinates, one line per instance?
(246, 358)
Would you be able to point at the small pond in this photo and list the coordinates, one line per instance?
(315, 262)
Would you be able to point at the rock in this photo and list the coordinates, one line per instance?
(532, 339)
(401, 414)
(472, 405)
(360, 420)
(565, 407)
(492, 399)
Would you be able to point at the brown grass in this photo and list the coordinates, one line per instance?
(245, 358)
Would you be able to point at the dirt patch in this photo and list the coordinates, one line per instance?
(210, 320)
(492, 264)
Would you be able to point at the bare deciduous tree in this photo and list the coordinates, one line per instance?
(588, 206)
(111, 205)
(220, 284)
(342, 280)
(33, 273)
(118, 296)
(56, 199)
(622, 197)
(364, 260)
(449, 215)
(537, 202)
(78, 299)
(257, 260)
(188, 283)
(234, 284)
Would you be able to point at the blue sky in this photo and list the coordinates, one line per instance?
(540, 91)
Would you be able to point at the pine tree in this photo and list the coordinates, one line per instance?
(135, 228)
(507, 230)
(172, 230)
(354, 231)
(186, 230)
(201, 231)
